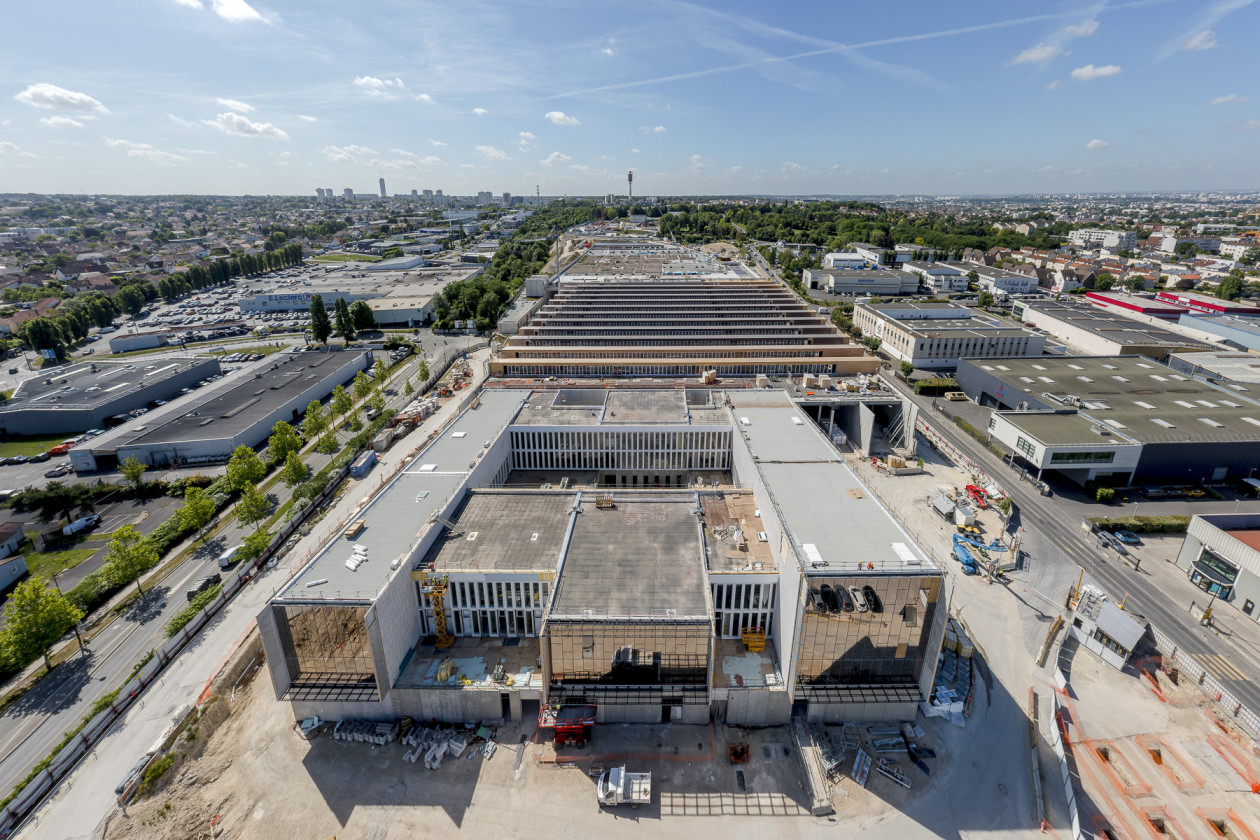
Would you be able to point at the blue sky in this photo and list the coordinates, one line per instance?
(280, 96)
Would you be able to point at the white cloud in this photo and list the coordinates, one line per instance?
(60, 122)
(634, 151)
(180, 121)
(230, 123)
(491, 153)
(144, 151)
(554, 158)
(1204, 40)
(1249, 125)
(525, 141)
(658, 129)
(697, 162)
(437, 143)
(1231, 99)
(235, 105)
(1097, 145)
(1055, 85)
(1089, 72)
(348, 154)
(380, 88)
(1080, 30)
(791, 166)
(1041, 52)
(403, 152)
(192, 4)
(53, 98)
(481, 112)
(305, 118)
(7, 148)
(560, 118)
(527, 135)
(607, 51)
(425, 98)
(581, 167)
(236, 11)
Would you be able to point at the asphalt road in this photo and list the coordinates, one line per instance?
(77, 806)
(31, 727)
(1054, 534)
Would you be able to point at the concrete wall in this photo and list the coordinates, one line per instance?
(860, 712)
(11, 571)
(280, 680)
(758, 707)
(866, 427)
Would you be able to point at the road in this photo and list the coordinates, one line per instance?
(84, 798)
(1053, 534)
(33, 725)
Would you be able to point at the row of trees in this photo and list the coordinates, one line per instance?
(350, 319)
(480, 299)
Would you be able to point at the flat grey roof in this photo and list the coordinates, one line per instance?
(78, 387)
(643, 557)
(399, 513)
(1117, 328)
(1206, 321)
(889, 274)
(1131, 393)
(625, 406)
(833, 518)
(1232, 365)
(227, 413)
(504, 531)
(1064, 428)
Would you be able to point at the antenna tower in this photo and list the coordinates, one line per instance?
(630, 184)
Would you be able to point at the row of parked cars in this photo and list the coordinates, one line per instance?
(1117, 540)
(242, 357)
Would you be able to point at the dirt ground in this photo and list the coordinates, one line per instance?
(721, 249)
(1153, 756)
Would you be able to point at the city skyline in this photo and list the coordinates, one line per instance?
(1138, 96)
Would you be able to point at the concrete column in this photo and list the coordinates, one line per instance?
(514, 704)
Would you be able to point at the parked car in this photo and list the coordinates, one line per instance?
(58, 472)
(1107, 540)
(40, 458)
(1127, 537)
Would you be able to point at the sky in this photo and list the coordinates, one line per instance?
(737, 97)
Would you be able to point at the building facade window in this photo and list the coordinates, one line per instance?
(1026, 447)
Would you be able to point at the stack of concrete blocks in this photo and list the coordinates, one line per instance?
(809, 380)
(366, 731)
(824, 381)
(763, 381)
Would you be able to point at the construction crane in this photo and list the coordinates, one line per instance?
(435, 588)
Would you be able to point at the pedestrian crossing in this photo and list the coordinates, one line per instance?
(1220, 667)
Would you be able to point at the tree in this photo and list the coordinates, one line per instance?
(196, 511)
(1251, 257)
(1134, 283)
(356, 423)
(907, 368)
(984, 300)
(129, 556)
(341, 402)
(361, 316)
(973, 276)
(284, 441)
(245, 469)
(377, 403)
(315, 421)
(362, 386)
(35, 617)
(321, 327)
(1230, 287)
(328, 444)
(345, 323)
(294, 472)
(131, 299)
(422, 372)
(133, 471)
(408, 388)
(1104, 281)
(253, 506)
(254, 545)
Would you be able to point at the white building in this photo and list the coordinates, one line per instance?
(1236, 248)
(1118, 240)
(999, 281)
(844, 259)
(937, 335)
(938, 277)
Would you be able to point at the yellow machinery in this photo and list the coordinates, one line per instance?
(435, 588)
(754, 639)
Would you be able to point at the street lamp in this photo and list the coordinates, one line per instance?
(76, 624)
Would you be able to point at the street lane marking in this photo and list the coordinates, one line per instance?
(1220, 667)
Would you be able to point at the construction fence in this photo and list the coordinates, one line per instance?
(1209, 685)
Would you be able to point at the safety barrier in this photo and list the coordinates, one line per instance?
(1065, 774)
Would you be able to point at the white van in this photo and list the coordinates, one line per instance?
(227, 558)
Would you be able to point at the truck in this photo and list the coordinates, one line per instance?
(617, 787)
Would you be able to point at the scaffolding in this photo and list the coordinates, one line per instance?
(435, 588)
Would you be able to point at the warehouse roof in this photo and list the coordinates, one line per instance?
(1232, 365)
(598, 406)
(227, 412)
(1065, 428)
(1136, 397)
(88, 385)
(504, 531)
(1117, 328)
(641, 557)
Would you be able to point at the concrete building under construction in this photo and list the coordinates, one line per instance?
(658, 555)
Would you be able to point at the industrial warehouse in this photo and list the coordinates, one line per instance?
(237, 412)
(97, 394)
(1119, 419)
(677, 556)
(937, 335)
(662, 312)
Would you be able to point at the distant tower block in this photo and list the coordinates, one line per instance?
(630, 184)
(383, 195)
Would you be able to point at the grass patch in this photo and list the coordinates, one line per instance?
(1143, 524)
(345, 258)
(54, 562)
(154, 774)
(188, 613)
(29, 445)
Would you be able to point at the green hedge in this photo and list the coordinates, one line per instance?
(979, 436)
(1143, 524)
(188, 613)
